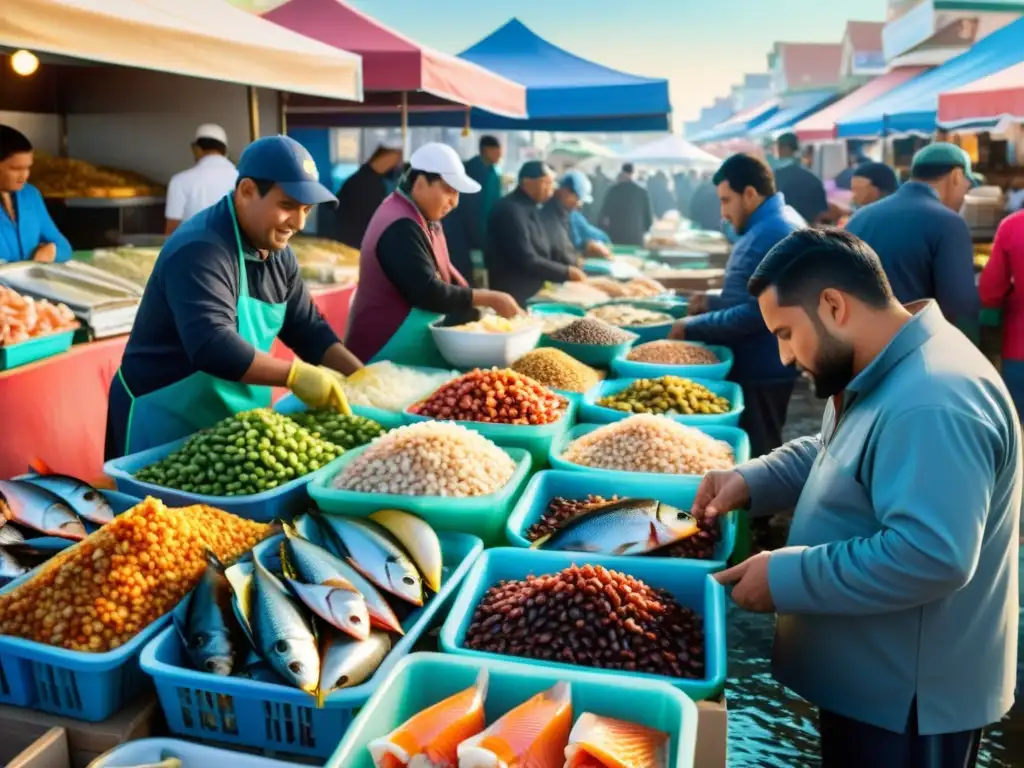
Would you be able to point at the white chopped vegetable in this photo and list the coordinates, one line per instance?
(392, 387)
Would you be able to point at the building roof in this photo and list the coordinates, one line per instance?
(810, 65)
(866, 36)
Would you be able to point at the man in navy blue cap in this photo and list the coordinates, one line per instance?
(225, 286)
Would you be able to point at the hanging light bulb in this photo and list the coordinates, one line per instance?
(24, 63)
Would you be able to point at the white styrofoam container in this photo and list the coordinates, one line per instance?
(147, 751)
(466, 349)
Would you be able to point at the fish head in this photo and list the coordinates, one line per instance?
(297, 661)
(96, 503)
(212, 651)
(679, 522)
(404, 580)
(349, 613)
(59, 519)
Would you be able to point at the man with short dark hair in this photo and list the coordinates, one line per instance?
(206, 182)
(804, 191)
(626, 213)
(466, 227)
(924, 244)
(749, 203)
(362, 193)
(871, 182)
(897, 595)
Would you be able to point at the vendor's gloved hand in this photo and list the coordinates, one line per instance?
(344, 408)
(317, 387)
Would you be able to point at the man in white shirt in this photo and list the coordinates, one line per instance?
(205, 183)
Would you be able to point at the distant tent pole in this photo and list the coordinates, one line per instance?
(282, 107)
(254, 114)
(405, 125)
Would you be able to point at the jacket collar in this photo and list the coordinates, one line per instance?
(772, 208)
(917, 188)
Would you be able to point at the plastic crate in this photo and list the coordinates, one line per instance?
(734, 436)
(593, 413)
(277, 717)
(387, 419)
(283, 502)
(632, 369)
(119, 502)
(554, 308)
(482, 516)
(670, 489)
(15, 355)
(692, 586)
(148, 751)
(424, 679)
(597, 355)
(617, 270)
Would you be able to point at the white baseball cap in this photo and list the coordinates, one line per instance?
(212, 131)
(444, 161)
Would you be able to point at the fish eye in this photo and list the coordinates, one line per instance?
(355, 619)
(90, 495)
(341, 681)
(295, 668)
(199, 640)
(409, 580)
(281, 646)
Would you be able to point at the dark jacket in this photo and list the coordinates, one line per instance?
(734, 318)
(705, 207)
(465, 228)
(555, 220)
(519, 255)
(804, 191)
(626, 214)
(358, 199)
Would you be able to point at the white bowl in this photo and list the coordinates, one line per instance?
(468, 349)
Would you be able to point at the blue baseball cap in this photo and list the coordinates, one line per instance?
(288, 164)
(578, 183)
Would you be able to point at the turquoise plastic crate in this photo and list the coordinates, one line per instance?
(593, 413)
(734, 436)
(670, 489)
(278, 717)
(631, 369)
(132, 754)
(553, 308)
(680, 259)
(387, 419)
(645, 333)
(597, 355)
(617, 270)
(483, 516)
(32, 350)
(85, 686)
(693, 587)
(423, 679)
(628, 250)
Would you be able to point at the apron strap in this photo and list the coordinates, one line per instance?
(243, 281)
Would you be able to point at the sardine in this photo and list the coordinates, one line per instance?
(207, 623)
(345, 662)
(336, 602)
(276, 624)
(10, 567)
(625, 527)
(83, 499)
(418, 539)
(315, 565)
(9, 534)
(39, 509)
(373, 552)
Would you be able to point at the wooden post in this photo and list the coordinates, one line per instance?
(282, 105)
(254, 114)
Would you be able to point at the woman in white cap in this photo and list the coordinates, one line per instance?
(406, 280)
(206, 182)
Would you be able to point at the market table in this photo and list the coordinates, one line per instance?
(56, 409)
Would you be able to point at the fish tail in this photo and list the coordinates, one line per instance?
(213, 560)
(39, 466)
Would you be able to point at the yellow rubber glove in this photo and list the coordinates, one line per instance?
(317, 387)
(341, 406)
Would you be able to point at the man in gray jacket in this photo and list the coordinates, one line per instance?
(897, 595)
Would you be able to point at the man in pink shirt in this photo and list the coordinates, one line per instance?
(997, 289)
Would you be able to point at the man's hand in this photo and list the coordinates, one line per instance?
(318, 387)
(46, 252)
(598, 250)
(678, 332)
(749, 580)
(499, 301)
(577, 275)
(720, 491)
(697, 304)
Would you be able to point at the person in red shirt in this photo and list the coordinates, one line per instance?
(997, 289)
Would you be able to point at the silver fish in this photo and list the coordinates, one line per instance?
(315, 565)
(207, 623)
(338, 603)
(277, 626)
(625, 527)
(374, 553)
(39, 509)
(255, 668)
(9, 534)
(83, 499)
(10, 568)
(345, 662)
(308, 528)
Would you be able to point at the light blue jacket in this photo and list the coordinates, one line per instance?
(900, 577)
(582, 232)
(34, 228)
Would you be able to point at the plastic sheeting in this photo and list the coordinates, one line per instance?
(990, 100)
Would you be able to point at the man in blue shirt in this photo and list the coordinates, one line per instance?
(924, 244)
(897, 595)
(563, 213)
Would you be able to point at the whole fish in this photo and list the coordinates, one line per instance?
(39, 509)
(345, 662)
(83, 499)
(207, 623)
(255, 668)
(338, 603)
(374, 553)
(10, 567)
(315, 565)
(308, 528)
(624, 527)
(9, 534)
(277, 626)
(418, 539)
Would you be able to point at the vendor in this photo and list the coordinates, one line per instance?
(519, 255)
(563, 217)
(27, 233)
(225, 286)
(406, 280)
(197, 188)
(363, 192)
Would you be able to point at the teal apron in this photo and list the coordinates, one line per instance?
(413, 343)
(200, 400)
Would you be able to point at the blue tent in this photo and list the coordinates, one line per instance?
(794, 109)
(565, 92)
(740, 124)
(913, 106)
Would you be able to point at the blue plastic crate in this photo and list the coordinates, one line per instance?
(692, 586)
(423, 679)
(644, 333)
(234, 710)
(592, 413)
(142, 752)
(30, 351)
(483, 516)
(632, 369)
(734, 436)
(554, 308)
(670, 489)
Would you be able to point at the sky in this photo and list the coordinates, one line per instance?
(702, 46)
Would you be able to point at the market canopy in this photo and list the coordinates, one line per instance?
(211, 40)
(394, 63)
(739, 124)
(913, 106)
(821, 125)
(990, 99)
(672, 150)
(792, 110)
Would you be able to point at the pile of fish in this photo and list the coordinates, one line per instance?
(537, 733)
(40, 508)
(316, 607)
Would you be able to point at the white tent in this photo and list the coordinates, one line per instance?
(672, 150)
(199, 38)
